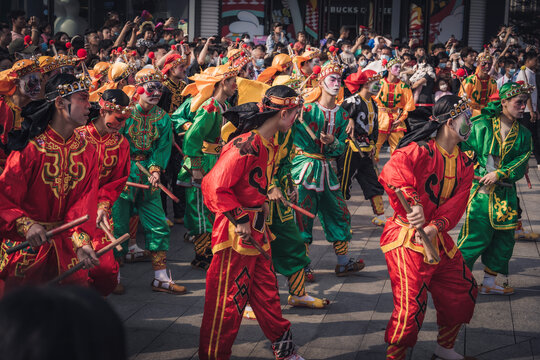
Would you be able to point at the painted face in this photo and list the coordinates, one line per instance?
(462, 125)
(78, 108)
(395, 69)
(374, 87)
(486, 65)
(288, 118)
(516, 106)
(114, 121)
(152, 92)
(179, 71)
(30, 85)
(331, 84)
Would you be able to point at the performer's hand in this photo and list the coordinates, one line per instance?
(154, 179)
(327, 139)
(102, 217)
(293, 194)
(489, 178)
(275, 194)
(197, 175)
(243, 230)
(87, 256)
(534, 116)
(36, 235)
(430, 230)
(350, 128)
(416, 217)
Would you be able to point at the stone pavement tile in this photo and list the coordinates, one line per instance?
(125, 307)
(519, 351)
(170, 346)
(491, 313)
(480, 341)
(316, 353)
(535, 346)
(525, 313)
(263, 350)
(137, 339)
(156, 317)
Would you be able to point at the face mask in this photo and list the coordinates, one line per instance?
(387, 57)
(463, 125)
(362, 63)
(207, 59)
(259, 63)
(442, 65)
(443, 87)
(511, 72)
(332, 84)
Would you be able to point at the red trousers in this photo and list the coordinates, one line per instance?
(231, 280)
(104, 277)
(450, 282)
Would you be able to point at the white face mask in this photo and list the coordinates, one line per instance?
(362, 63)
(332, 84)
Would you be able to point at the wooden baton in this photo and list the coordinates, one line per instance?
(137, 185)
(110, 235)
(49, 234)
(431, 253)
(80, 265)
(160, 185)
(298, 209)
(255, 244)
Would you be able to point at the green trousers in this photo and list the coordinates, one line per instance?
(479, 238)
(332, 210)
(197, 219)
(288, 248)
(147, 204)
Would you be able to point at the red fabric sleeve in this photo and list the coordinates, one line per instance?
(399, 172)
(217, 185)
(110, 191)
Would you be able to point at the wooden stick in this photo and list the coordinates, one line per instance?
(257, 246)
(178, 148)
(51, 233)
(298, 209)
(137, 185)
(80, 265)
(431, 253)
(526, 178)
(160, 185)
(109, 235)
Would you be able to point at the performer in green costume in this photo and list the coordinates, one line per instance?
(202, 145)
(502, 148)
(319, 135)
(149, 134)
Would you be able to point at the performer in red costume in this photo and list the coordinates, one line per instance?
(50, 178)
(113, 162)
(236, 187)
(435, 178)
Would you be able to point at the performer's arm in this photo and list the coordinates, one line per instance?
(338, 146)
(181, 118)
(109, 192)
(14, 182)
(448, 214)
(407, 100)
(162, 150)
(516, 169)
(218, 184)
(203, 123)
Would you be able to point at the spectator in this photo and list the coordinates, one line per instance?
(61, 37)
(530, 118)
(147, 32)
(419, 52)
(106, 33)
(258, 61)
(444, 69)
(18, 23)
(347, 56)
(91, 41)
(510, 68)
(278, 35)
(343, 34)
(438, 48)
(443, 89)
(5, 62)
(5, 38)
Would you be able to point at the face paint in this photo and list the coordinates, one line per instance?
(78, 108)
(152, 92)
(462, 125)
(30, 85)
(114, 121)
(516, 106)
(374, 87)
(395, 69)
(331, 84)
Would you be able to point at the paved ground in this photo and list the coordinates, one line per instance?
(162, 326)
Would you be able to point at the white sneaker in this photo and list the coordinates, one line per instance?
(496, 290)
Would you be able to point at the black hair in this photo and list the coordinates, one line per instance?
(249, 116)
(90, 31)
(466, 51)
(529, 56)
(59, 323)
(442, 55)
(443, 106)
(116, 94)
(438, 46)
(345, 42)
(276, 24)
(509, 61)
(58, 35)
(37, 114)
(15, 14)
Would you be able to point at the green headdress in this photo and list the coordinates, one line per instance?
(507, 91)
